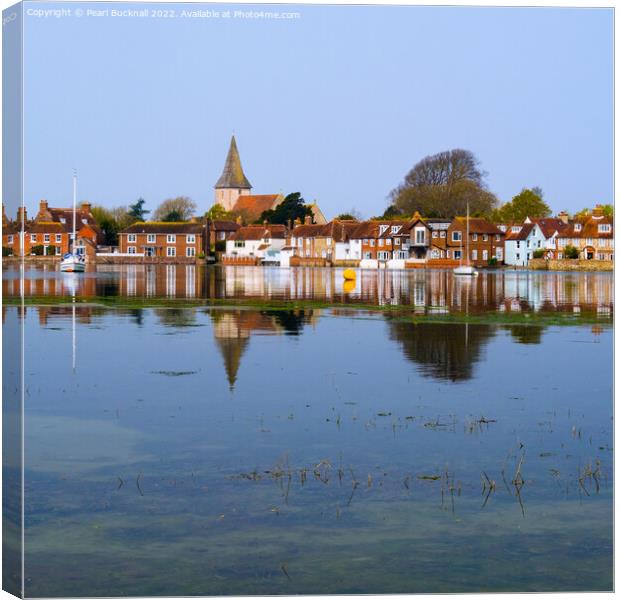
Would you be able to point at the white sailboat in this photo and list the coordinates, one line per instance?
(465, 269)
(72, 262)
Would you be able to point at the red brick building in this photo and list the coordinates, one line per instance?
(486, 241)
(171, 241)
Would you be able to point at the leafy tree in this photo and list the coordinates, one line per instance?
(527, 203)
(181, 208)
(571, 252)
(443, 185)
(291, 208)
(6, 251)
(608, 211)
(352, 215)
(137, 210)
(218, 213)
(539, 253)
(111, 221)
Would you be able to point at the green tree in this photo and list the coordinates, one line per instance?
(443, 185)
(137, 210)
(291, 208)
(218, 213)
(527, 203)
(352, 215)
(571, 252)
(180, 208)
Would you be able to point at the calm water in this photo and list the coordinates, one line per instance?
(181, 451)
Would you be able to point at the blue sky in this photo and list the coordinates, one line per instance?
(338, 104)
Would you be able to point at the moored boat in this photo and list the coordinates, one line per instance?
(72, 262)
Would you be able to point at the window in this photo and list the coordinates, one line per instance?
(458, 254)
(372, 242)
(46, 238)
(420, 236)
(457, 236)
(383, 255)
(381, 242)
(241, 243)
(131, 250)
(485, 237)
(515, 229)
(604, 228)
(191, 239)
(149, 251)
(33, 237)
(131, 238)
(190, 252)
(171, 251)
(388, 242)
(382, 229)
(499, 254)
(527, 243)
(58, 238)
(442, 234)
(221, 235)
(397, 242)
(10, 239)
(57, 250)
(395, 228)
(63, 220)
(519, 256)
(518, 244)
(474, 254)
(150, 238)
(497, 237)
(367, 254)
(577, 226)
(171, 238)
(485, 255)
(474, 237)
(434, 234)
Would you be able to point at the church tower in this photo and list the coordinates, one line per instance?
(233, 182)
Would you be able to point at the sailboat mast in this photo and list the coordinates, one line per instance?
(467, 235)
(74, 210)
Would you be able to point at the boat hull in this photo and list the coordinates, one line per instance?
(465, 271)
(72, 264)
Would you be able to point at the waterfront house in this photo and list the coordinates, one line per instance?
(486, 241)
(523, 240)
(592, 235)
(251, 244)
(220, 231)
(169, 242)
(346, 250)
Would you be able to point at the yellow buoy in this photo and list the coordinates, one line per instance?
(348, 286)
(349, 274)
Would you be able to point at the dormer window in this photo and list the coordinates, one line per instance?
(84, 221)
(577, 226)
(63, 220)
(395, 228)
(382, 229)
(515, 229)
(604, 228)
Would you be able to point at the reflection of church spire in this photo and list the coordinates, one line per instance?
(232, 350)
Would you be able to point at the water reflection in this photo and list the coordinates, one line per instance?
(443, 351)
(428, 292)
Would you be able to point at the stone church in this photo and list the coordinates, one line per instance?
(233, 191)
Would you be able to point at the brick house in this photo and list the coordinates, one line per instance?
(170, 241)
(486, 241)
(51, 228)
(592, 235)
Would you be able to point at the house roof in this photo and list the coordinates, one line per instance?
(520, 235)
(589, 228)
(258, 232)
(309, 231)
(549, 226)
(225, 225)
(161, 227)
(478, 225)
(46, 227)
(232, 175)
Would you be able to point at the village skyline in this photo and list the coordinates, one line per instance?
(142, 120)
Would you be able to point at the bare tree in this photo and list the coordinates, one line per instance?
(180, 208)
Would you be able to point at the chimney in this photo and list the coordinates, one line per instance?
(563, 216)
(289, 224)
(307, 220)
(597, 211)
(86, 207)
(43, 205)
(22, 215)
(297, 221)
(239, 220)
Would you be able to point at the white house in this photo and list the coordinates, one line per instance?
(256, 241)
(522, 241)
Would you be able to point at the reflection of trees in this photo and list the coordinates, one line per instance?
(291, 321)
(176, 317)
(443, 350)
(526, 334)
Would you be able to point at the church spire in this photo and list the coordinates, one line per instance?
(233, 175)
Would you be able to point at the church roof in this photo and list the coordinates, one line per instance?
(233, 176)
